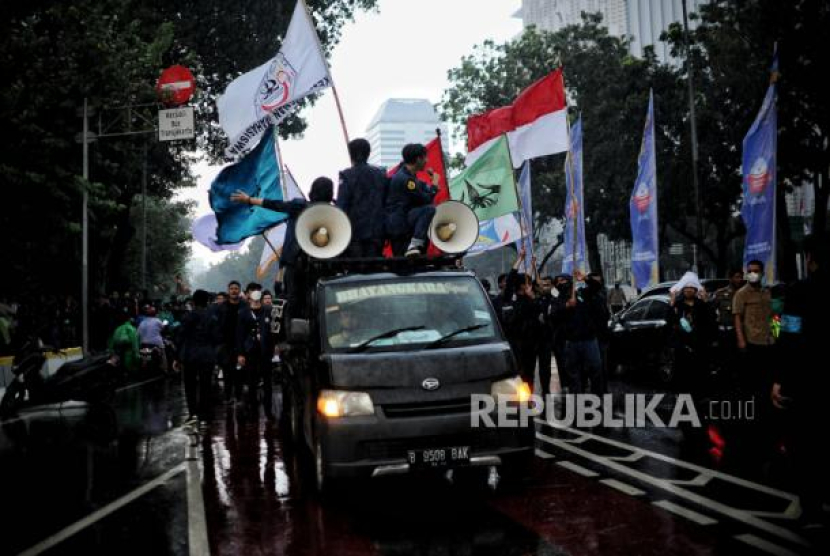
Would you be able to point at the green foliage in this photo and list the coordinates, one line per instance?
(731, 53)
(55, 54)
(240, 266)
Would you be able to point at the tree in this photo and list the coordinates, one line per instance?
(605, 85)
(240, 266)
(732, 49)
(53, 55)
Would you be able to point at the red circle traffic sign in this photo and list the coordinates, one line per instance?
(175, 85)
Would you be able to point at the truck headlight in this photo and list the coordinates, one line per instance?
(515, 388)
(338, 403)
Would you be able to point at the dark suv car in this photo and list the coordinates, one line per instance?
(641, 337)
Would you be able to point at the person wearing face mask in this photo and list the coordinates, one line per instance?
(521, 319)
(556, 317)
(584, 321)
(752, 311)
(255, 347)
(694, 332)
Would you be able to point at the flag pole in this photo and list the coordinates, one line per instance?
(570, 164)
(518, 198)
(268, 241)
(328, 71)
(283, 184)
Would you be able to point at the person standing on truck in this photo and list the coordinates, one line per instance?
(362, 194)
(409, 209)
(322, 191)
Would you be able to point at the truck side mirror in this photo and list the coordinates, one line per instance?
(298, 331)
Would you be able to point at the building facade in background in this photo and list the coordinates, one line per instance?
(400, 121)
(641, 20)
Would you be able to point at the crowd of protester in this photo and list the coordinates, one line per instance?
(763, 340)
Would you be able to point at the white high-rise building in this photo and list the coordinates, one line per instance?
(641, 20)
(400, 121)
(553, 15)
(647, 19)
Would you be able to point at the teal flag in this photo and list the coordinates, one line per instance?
(258, 175)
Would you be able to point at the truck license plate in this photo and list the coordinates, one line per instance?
(439, 457)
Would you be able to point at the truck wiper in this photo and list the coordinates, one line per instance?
(388, 334)
(453, 334)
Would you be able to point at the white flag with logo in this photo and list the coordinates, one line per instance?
(275, 237)
(272, 91)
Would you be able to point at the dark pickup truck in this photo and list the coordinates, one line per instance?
(382, 372)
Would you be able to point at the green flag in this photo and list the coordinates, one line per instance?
(488, 185)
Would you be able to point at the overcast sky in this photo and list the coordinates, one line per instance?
(403, 51)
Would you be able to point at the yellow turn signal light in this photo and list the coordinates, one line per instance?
(523, 392)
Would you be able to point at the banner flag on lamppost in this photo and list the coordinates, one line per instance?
(759, 182)
(574, 206)
(645, 248)
(527, 215)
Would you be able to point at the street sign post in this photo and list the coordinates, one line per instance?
(176, 124)
(175, 86)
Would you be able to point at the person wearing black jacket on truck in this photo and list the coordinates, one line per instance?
(520, 315)
(294, 280)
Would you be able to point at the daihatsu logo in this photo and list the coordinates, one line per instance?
(431, 384)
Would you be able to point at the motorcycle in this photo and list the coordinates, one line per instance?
(91, 379)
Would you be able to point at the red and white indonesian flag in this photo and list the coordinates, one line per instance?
(536, 123)
(270, 93)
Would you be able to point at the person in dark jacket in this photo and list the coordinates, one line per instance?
(409, 209)
(800, 379)
(228, 315)
(583, 322)
(255, 347)
(544, 340)
(694, 333)
(322, 191)
(362, 195)
(521, 319)
(556, 321)
(198, 337)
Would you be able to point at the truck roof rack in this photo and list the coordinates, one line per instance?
(333, 267)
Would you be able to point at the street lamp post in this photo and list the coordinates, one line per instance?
(85, 234)
(693, 122)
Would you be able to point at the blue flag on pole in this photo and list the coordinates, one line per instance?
(645, 249)
(527, 216)
(258, 175)
(574, 208)
(759, 182)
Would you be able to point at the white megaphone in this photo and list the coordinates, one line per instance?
(323, 231)
(454, 228)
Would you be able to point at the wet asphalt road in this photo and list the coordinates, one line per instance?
(114, 480)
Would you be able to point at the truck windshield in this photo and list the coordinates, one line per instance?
(407, 313)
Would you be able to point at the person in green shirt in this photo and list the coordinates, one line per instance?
(124, 343)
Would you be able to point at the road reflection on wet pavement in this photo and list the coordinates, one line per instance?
(112, 480)
(61, 463)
